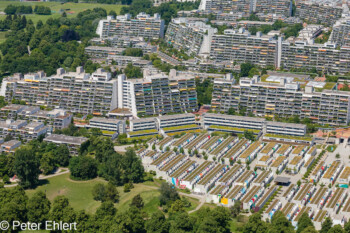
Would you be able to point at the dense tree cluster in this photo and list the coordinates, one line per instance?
(42, 10)
(166, 10)
(134, 52)
(14, 22)
(48, 46)
(18, 9)
(204, 91)
(30, 160)
(133, 71)
(114, 167)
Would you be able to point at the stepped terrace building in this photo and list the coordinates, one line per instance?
(269, 99)
(241, 47)
(341, 32)
(157, 94)
(77, 92)
(308, 55)
(191, 36)
(283, 7)
(143, 25)
(318, 13)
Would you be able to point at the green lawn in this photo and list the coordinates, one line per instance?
(72, 9)
(78, 192)
(80, 196)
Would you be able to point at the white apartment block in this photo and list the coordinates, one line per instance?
(77, 92)
(106, 124)
(143, 25)
(176, 120)
(157, 94)
(283, 98)
(191, 35)
(143, 124)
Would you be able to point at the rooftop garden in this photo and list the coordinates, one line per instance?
(234, 129)
(306, 138)
(181, 127)
(143, 132)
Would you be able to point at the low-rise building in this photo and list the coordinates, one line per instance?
(73, 143)
(10, 146)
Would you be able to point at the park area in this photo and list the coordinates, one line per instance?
(80, 196)
(57, 8)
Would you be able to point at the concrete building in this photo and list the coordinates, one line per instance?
(341, 32)
(191, 36)
(143, 124)
(107, 126)
(21, 130)
(73, 143)
(143, 25)
(77, 92)
(282, 98)
(157, 94)
(242, 47)
(319, 13)
(10, 146)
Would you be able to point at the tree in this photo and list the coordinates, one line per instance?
(236, 209)
(177, 206)
(326, 225)
(137, 201)
(62, 155)
(157, 223)
(231, 111)
(245, 68)
(38, 207)
(26, 166)
(47, 163)
(168, 194)
(6, 179)
(249, 135)
(336, 229)
(99, 192)
(310, 229)
(304, 222)
(182, 223)
(347, 227)
(61, 210)
(112, 193)
(255, 224)
(83, 167)
(280, 223)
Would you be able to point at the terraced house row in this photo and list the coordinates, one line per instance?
(143, 25)
(268, 99)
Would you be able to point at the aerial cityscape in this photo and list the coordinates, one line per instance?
(143, 116)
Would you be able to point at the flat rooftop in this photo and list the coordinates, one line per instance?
(60, 138)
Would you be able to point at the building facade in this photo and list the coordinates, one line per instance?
(251, 96)
(157, 94)
(143, 25)
(77, 92)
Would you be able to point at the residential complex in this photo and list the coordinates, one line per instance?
(143, 25)
(281, 97)
(73, 143)
(248, 6)
(319, 13)
(190, 35)
(231, 123)
(157, 94)
(341, 32)
(77, 92)
(239, 46)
